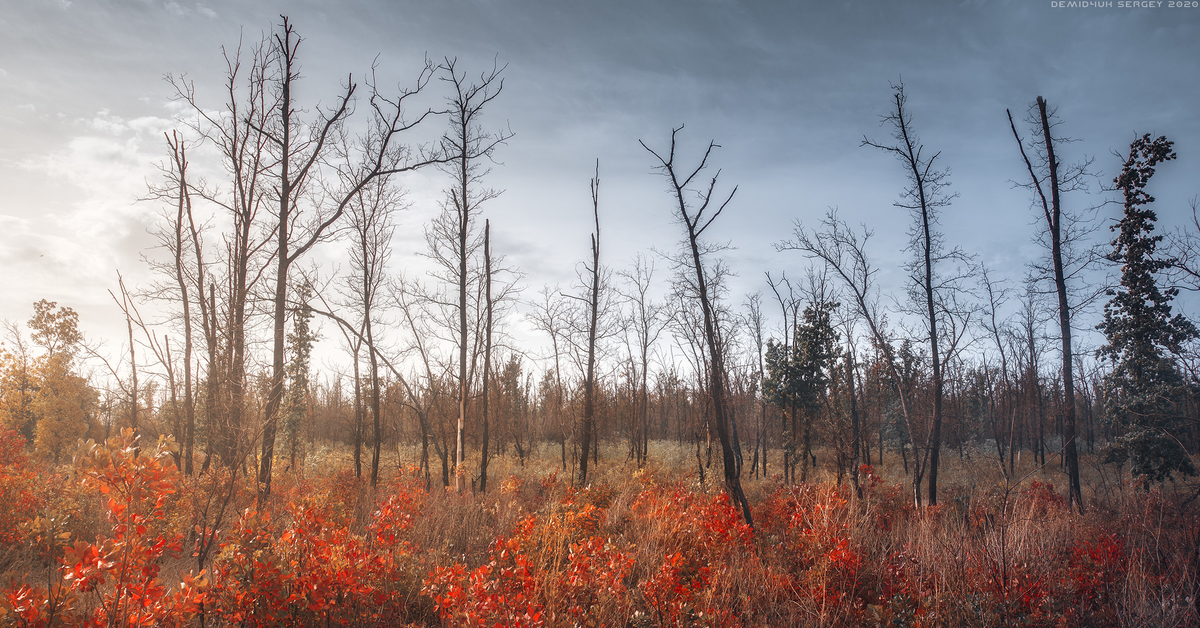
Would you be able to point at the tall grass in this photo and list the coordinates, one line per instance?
(657, 546)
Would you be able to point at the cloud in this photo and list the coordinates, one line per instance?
(107, 125)
(206, 12)
(104, 227)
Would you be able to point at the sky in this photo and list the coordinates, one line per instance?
(788, 90)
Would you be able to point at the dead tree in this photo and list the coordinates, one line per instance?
(372, 226)
(789, 306)
(692, 214)
(753, 320)
(647, 320)
(1059, 179)
(996, 296)
(377, 155)
(421, 397)
(466, 146)
(593, 314)
(175, 238)
(551, 317)
(487, 350)
(245, 157)
(925, 195)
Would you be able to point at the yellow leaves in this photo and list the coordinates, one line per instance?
(61, 406)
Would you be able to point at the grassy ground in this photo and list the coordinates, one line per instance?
(649, 547)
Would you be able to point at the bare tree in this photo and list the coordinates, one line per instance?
(371, 223)
(174, 236)
(423, 390)
(753, 321)
(245, 156)
(551, 316)
(1059, 179)
(996, 296)
(466, 147)
(299, 162)
(789, 306)
(593, 314)
(487, 350)
(695, 221)
(924, 197)
(647, 320)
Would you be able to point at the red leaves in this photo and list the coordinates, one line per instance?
(503, 592)
(1097, 567)
(18, 487)
(650, 553)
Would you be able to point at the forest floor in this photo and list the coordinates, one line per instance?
(120, 538)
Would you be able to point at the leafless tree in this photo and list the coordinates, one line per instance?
(467, 148)
(924, 197)
(647, 319)
(996, 296)
(244, 157)
(372, 226)
(299, 164)
(789, 306)
(175, 237)
(489, 305)
(425, 388)
(592, 299)
(1050, 173)
(692, 214)
(753, 321)
(551, 316)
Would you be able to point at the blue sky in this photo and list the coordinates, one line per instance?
(789, 89)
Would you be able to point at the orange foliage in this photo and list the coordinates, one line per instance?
(330, 552)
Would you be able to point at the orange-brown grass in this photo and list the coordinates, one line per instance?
(658, 546)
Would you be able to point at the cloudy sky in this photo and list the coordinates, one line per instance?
(788, 89)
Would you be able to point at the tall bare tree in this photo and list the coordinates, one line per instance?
(753, 320)
(551, 316)
(1058, 179)
(996, 296)
(174, 237)
(245, 158)
(468, 148)
(593, 315)
(424, 389)
(487, 350)
(925, 196)
(372, 226)
(789, 306)
(647, 320)
(692, 214)
(301, 164)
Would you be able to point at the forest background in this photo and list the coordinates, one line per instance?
(280, 234)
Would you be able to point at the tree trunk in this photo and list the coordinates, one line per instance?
(487, 351)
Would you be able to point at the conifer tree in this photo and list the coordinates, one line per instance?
(295, 402)
(1144, 388)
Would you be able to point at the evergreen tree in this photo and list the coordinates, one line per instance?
(798, 376)
(295, 402)
(1145, 389)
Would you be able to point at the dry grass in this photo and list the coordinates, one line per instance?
(999, 549)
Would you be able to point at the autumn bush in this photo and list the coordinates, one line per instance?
(121, 538)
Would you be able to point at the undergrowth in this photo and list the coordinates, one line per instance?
(121, 538)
